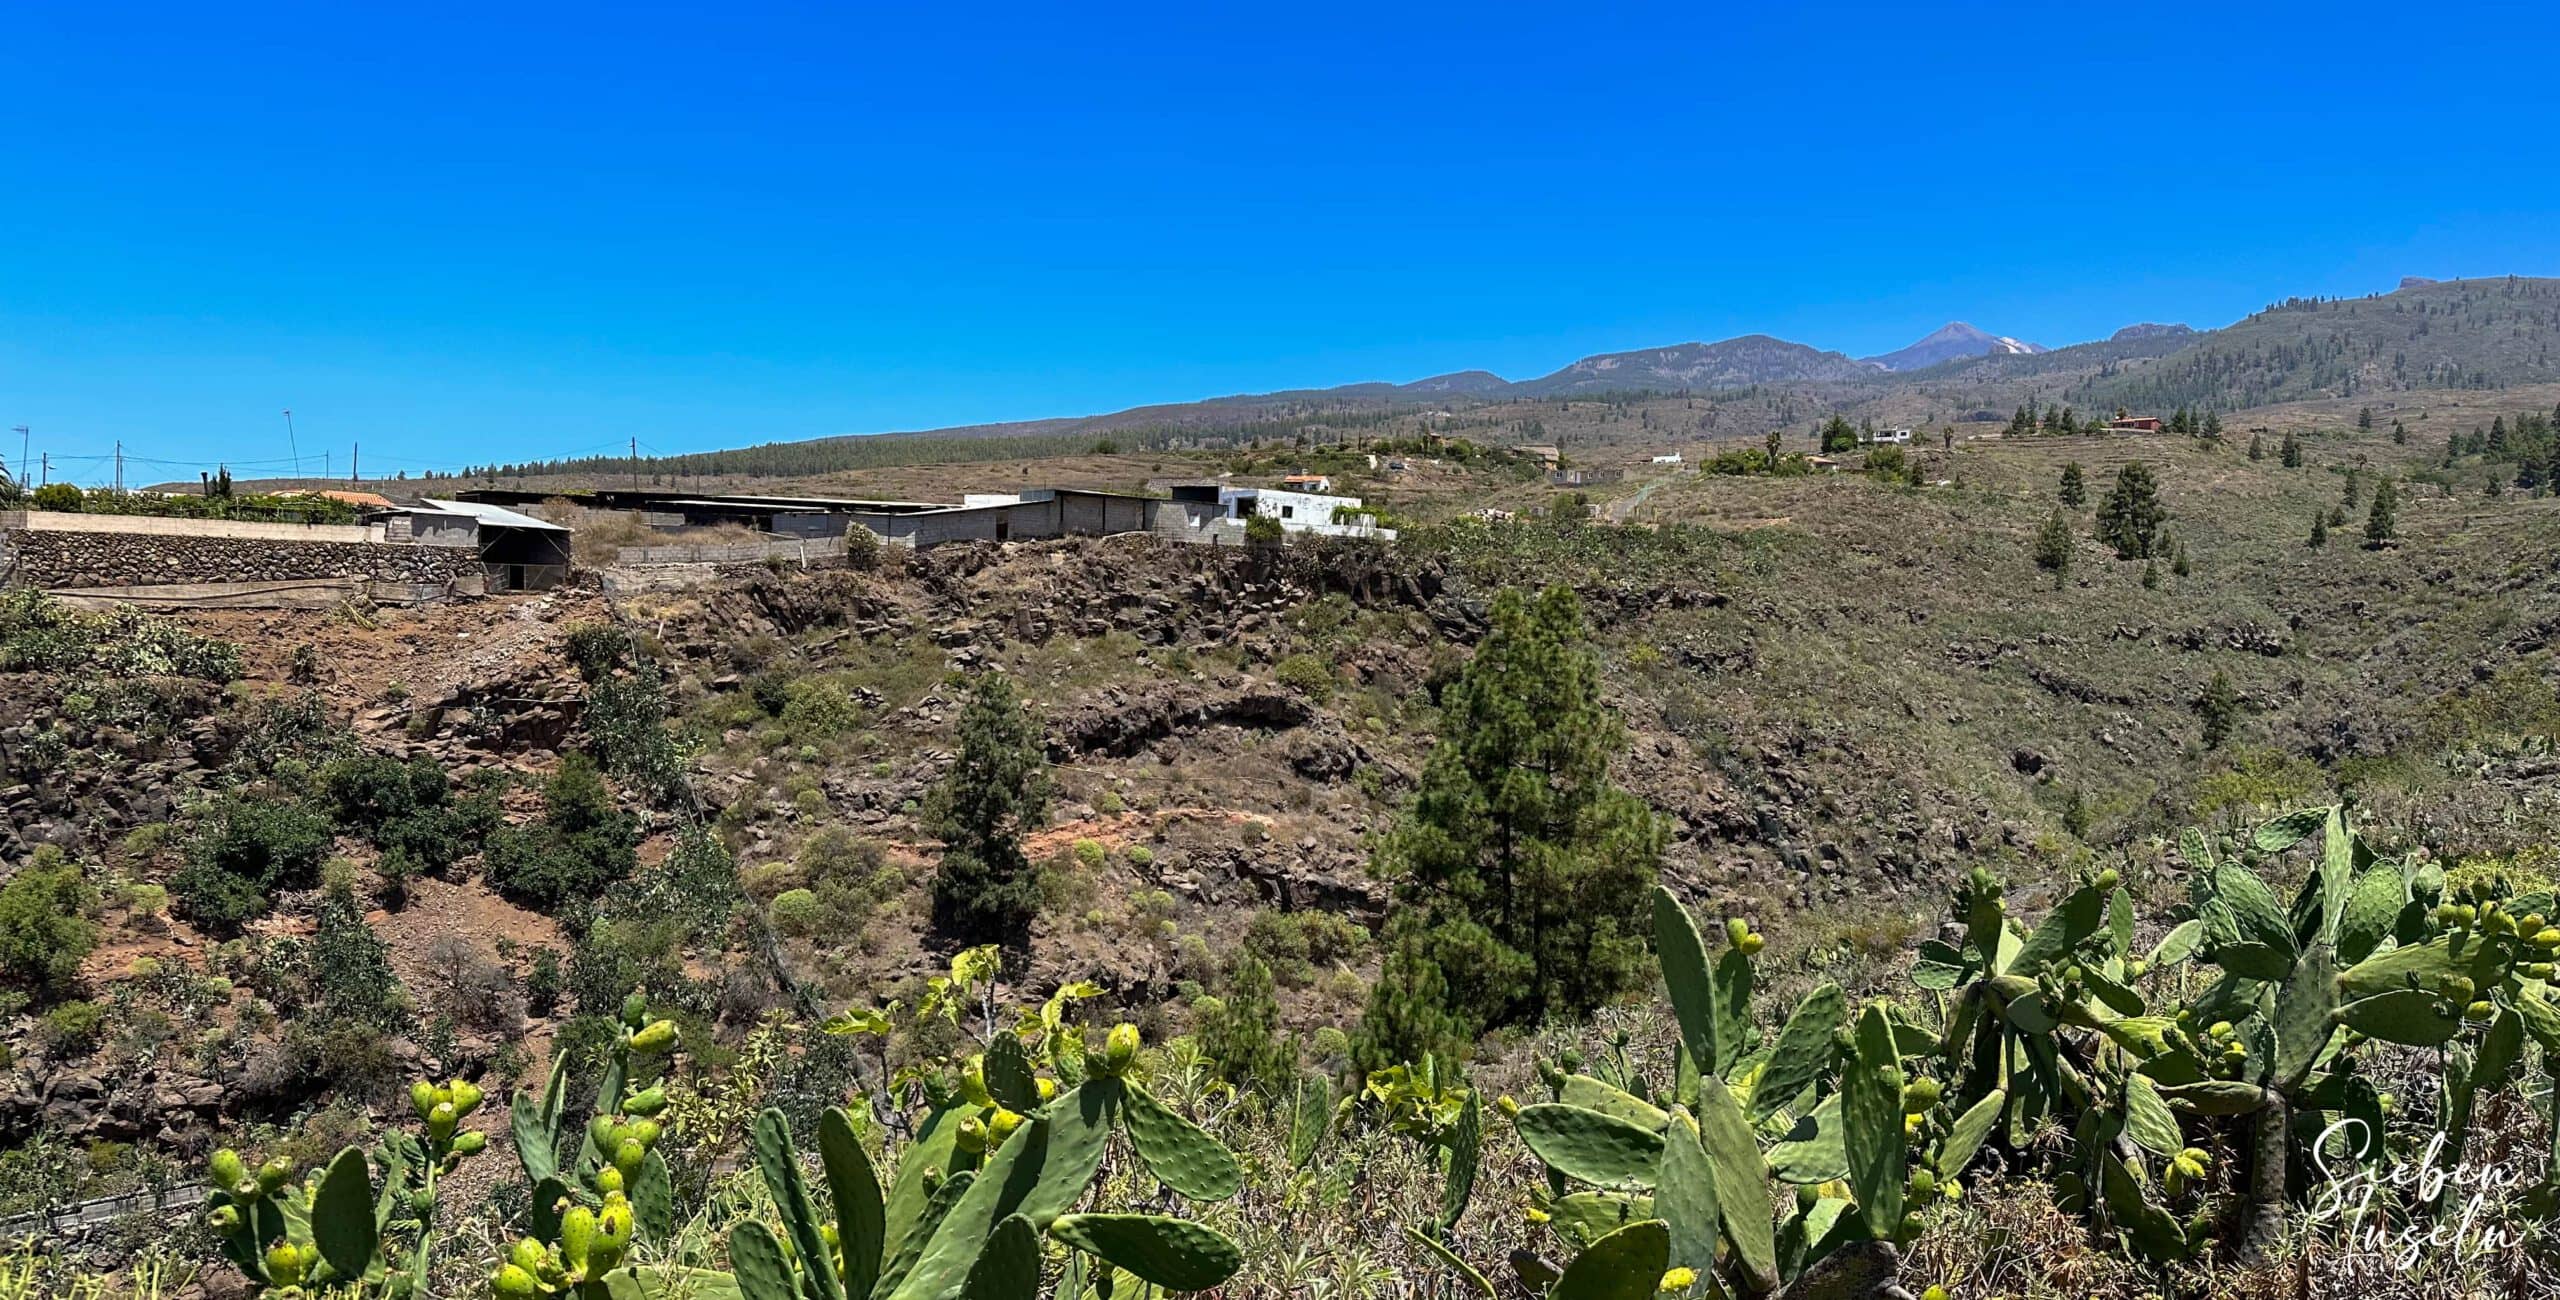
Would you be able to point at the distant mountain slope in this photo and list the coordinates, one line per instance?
(1950, 341)
(2429, 335)
(1471, 382)
(1733, 363)
(2452, 334)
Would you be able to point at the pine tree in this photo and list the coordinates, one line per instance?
(2290, 452)
(2364, 419)
(2131, 516)
(2053, 547)
(2219, 707)
(1241, 1036)
(1522, 869)
(1408, 1015)
(2257, 447)
(2380, 525)
(1839, 435)
(2399, 433)
(2353, 486)
(2213, 428)
(2150, 575)
(1774, 442)
(2319, 530)
(985, 891)
(2075, 489)
(2178, 560)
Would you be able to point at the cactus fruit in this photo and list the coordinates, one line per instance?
(1120, 1049)
(284, 1264)
(658, 1036)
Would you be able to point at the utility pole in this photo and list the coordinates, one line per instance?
(355, 474)
(635, 464)
(23, 440)
(48, 469)
(119, 467)
(289, 443)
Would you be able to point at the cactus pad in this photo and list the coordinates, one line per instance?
(1595, 1148)
(1176, 1254)
(1625, 1265)
(1177, 1152)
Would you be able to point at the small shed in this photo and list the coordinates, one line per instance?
(518, 552)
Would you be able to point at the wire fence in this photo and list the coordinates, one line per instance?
(104, 1209)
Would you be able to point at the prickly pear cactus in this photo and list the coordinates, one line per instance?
(335, 1225)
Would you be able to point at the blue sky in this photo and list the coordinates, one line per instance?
(462, 233)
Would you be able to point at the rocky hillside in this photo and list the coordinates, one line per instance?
(1840, 692)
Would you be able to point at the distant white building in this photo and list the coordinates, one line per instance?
(1672, 459)
(1879, 436)
(1306, 483)
(1303, 512)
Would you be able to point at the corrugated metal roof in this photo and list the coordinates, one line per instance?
(495, 516)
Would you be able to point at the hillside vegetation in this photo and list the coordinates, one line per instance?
(2002, 784)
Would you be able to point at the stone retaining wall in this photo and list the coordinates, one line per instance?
(72, 559)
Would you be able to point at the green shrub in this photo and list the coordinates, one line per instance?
(406, 810)
(542, 983)
(1307, 674)
(580, 845)
(819, 707)
(246, 846)
(795, 911)
(56, 496)
(351, 970)
(75, 1028)
(39, 633)
(43, 934)
(1090, 854)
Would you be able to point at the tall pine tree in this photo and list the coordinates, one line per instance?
(2382, 524)
(1521, 873)
(998, 788)
(2131, 516)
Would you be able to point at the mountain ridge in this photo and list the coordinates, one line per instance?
(1950, 341)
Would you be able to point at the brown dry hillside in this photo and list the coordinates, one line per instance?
(1840, 691)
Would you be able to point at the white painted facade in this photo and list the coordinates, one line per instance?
(1300, 512)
